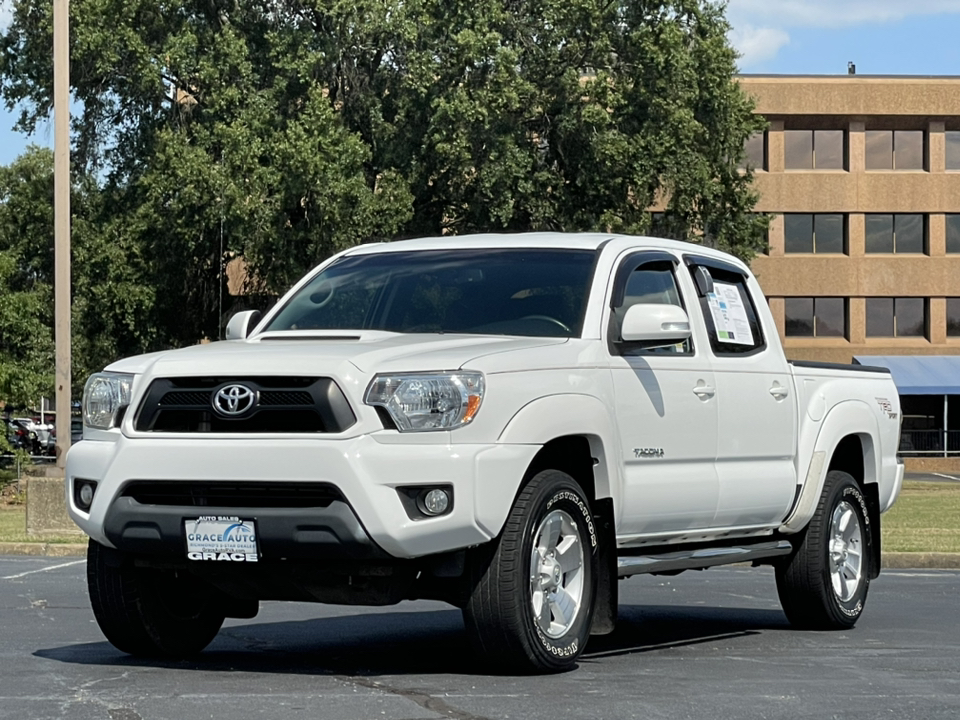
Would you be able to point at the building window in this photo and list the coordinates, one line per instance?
(896, 317)
(895, 150)
(953, 317)
(820, 233)
(755, 152)
(816, 317)
(953, 233)
(813, 149)
(953, 150)
(896, 234)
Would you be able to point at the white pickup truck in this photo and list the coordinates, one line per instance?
(508, 423)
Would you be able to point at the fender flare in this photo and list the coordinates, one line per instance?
(554, 416)
(851, 417)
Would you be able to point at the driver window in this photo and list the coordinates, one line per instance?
(653, 283)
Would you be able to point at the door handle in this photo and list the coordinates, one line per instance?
(779, 392)
(704, 391)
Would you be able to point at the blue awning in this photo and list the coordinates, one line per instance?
(919, 374)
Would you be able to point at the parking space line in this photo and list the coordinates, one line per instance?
(948, 477)
(51, 567)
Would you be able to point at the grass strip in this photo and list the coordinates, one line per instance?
(13, 528)
(926, 518)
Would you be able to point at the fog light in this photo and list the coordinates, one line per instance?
(435, 502)
(83, 493)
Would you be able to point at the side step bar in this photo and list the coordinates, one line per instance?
(699, 558)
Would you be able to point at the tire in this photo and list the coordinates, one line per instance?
(823, 585)
(147, 612)
(529, 611)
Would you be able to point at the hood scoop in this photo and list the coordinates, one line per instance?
(332, 338)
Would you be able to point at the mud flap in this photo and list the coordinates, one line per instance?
(872, 495)
(606, 598)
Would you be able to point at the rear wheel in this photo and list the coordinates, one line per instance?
(533, 588)
(150, 612)
(824, 584)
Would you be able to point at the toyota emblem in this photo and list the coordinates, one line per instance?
(234, 400)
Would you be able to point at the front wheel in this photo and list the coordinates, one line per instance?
(531, 603)
(150, 612)
(824, 584)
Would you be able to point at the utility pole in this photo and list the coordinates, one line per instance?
(61, 209)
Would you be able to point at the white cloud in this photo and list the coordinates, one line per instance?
(757, 44)
(762, 27)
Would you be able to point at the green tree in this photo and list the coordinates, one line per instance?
(26, 295)
(110, 296)
(284, 130)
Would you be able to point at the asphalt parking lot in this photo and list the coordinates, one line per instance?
(702, 645)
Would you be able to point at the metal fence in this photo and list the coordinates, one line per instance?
(917, 443)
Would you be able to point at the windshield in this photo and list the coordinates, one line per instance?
(537, 293)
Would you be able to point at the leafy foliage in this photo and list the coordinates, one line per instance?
(282, 131)
(26, 296)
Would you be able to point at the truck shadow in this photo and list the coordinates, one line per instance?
(419, 643)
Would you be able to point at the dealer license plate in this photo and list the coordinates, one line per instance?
(216, 537)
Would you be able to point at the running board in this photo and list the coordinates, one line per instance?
(700, 558)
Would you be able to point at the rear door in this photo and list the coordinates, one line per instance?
(666, 408)
(757, 427)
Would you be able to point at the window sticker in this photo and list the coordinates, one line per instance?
(729, 314)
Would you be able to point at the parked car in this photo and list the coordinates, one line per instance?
(509, 424)
(76, 435)
(11, 433)
(43, 431)
(28, 437)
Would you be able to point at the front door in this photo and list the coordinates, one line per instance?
(667, 412)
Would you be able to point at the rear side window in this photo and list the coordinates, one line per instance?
(729, 313)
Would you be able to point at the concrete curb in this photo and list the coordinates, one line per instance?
(43, 549)
(891, 560)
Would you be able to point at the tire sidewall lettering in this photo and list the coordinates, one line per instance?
(852, 495)
(581, 505)
(558, 648)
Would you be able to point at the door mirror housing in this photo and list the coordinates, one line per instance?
(653, 326)
(241, 324)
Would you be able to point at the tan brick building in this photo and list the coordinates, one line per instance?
(862, 177)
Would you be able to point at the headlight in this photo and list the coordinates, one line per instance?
(428, 402)
(105, 397)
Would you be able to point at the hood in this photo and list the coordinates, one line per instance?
(327, 354)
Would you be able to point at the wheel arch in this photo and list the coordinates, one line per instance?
(569, 427)
(847, 441)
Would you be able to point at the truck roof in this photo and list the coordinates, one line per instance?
(561, 240)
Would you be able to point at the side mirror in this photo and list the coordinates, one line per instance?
(655, 325)
(241, 324)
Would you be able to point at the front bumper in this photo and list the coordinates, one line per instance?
(366, 470)
(322, 533)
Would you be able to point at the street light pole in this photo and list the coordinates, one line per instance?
(61, 210)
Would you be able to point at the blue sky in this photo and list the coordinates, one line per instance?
(883, 37)
(819, 37)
